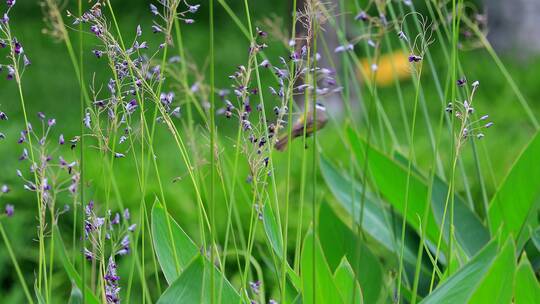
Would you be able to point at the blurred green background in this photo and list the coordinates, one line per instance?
(50, 86)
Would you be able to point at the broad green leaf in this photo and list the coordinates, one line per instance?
(349, 194)
(186, 250)
(273, 233)
(526, 287)
(518, 195)
(471, 234)
(375, 220)
(338, 241)
(390, 178)
(497, 285)
(347, 284)
(76, 295)
(194, 286)
(469, 231)
(483, 273)
(318, 284)
(61, 253)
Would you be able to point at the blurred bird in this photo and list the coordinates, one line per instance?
(298, 127)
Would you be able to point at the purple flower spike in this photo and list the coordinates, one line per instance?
(10, 210)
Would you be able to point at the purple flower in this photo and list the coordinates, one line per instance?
(11, 72)
(89, 208)
(402, 35)
(88, 255)
(139, 30)
(61, 139)
(3, 116)
(51, 122)
(126, 214)
(24, 155)
(17, 47)
(344, 48)
(10, 3)
(112, 290)
(194, 8)
(97, 53)
(5, 19)
(87, 120)
(189, 21)
(414, 58)
(26, 61)
(4, 189)
(10, 210)
(116, 219)
(131, 106)
(255, 286)
(156, 29)
(461, 82)
(154, 10)
(362, 16)
(132, 227)
(96, 29)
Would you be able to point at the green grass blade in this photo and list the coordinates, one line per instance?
(193, 286)
(318, 284)
(345, 281)
(186, 249)
(459, 287)
(527, 289)
(517, 196)
(341, 245)
(89, 297)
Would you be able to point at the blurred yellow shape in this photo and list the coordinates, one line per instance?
(395, 64)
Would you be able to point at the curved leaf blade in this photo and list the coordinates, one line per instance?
(341, 245)
(186, 250)
(527, 289)
(318, 284)
(518, 195)
(346, 283)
